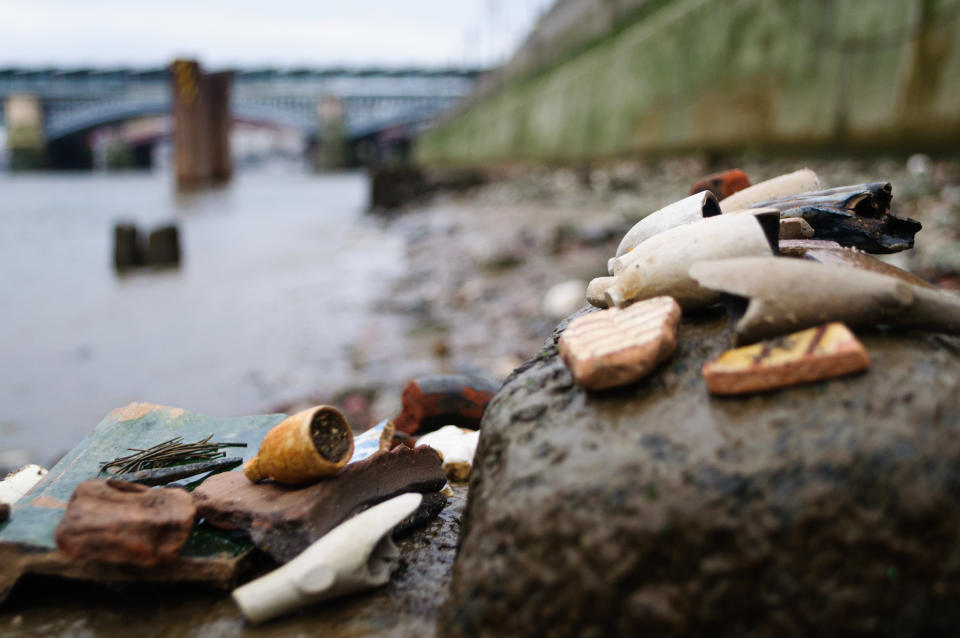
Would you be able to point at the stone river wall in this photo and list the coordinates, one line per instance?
(679, 75)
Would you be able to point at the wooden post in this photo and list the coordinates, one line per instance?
(201, 115)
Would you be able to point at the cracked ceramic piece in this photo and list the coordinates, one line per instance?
(433, 401)
(18, 483)
(689, 209)
(660, 265)
(617, 346)
(824, 352)
(303, 447)
(358, 554)
(857, 215)
(722, 184)
(771, 296)
(456, 447)
(791, 183)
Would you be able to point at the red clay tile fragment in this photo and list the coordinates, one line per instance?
(722, 184)
(620, 345)
(118, 522)
(824, 352)
(448, 399)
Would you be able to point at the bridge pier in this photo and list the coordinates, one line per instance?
(330, 153)
(23, 115)
(201, 130)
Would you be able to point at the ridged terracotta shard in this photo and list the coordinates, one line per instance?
(618, 346)
(722, 184)
(824, 352)
(118, 522)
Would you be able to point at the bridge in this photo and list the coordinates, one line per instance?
(75, 101)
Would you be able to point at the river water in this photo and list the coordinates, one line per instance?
(279, 277)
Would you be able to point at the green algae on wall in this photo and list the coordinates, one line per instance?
(702, 74)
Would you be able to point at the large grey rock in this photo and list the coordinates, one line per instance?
(656, 509)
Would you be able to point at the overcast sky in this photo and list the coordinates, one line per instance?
(263, 32)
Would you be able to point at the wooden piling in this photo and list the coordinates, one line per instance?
(201, 115)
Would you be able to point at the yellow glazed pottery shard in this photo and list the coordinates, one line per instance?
(826, 351)
(620, 345)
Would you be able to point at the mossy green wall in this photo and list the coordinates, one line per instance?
(727, 75)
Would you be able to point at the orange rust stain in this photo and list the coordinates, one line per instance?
(137, 410)
(48, 502)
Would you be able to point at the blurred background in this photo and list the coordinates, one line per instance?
(245, 207)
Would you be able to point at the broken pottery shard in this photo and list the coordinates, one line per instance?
(379, 438)
(434, 401)
(797, 182)
(456, 447)
(827, 351)
(722, 184)
(857, 215)
(795, 228)
(800, 247)
(771, 296)
(304, 447)
(284, 520)
(118, 522)
(853, 258)
(660, 266)
(358, 554)
(618, 346)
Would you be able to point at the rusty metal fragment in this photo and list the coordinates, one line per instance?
(857, 215)
(771, 296)
(431, 402)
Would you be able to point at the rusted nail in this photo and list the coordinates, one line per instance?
(166, 475)
(824, 352)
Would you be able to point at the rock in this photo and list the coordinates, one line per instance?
(119, 522)
(284, 520)
(618, 346)
(564, 298)
(163, 247)
(446, 399)
(660, 510)
(456, 447)
(795, 228)
(814, 354)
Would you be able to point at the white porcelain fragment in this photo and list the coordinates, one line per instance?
(357, 554)
(456, 446)
(698, 206)
(660, 266)
(18, 483)
(801, 181)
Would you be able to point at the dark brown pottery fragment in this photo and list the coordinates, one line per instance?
(284, 520)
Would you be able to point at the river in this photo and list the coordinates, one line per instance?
(279, 275)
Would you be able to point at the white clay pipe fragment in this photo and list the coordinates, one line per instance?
(660, 265)
(771, 296)
(456, 447)
(689, 209)
(801, 181)
(597, 291)
(18, 483)
(357, 554)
